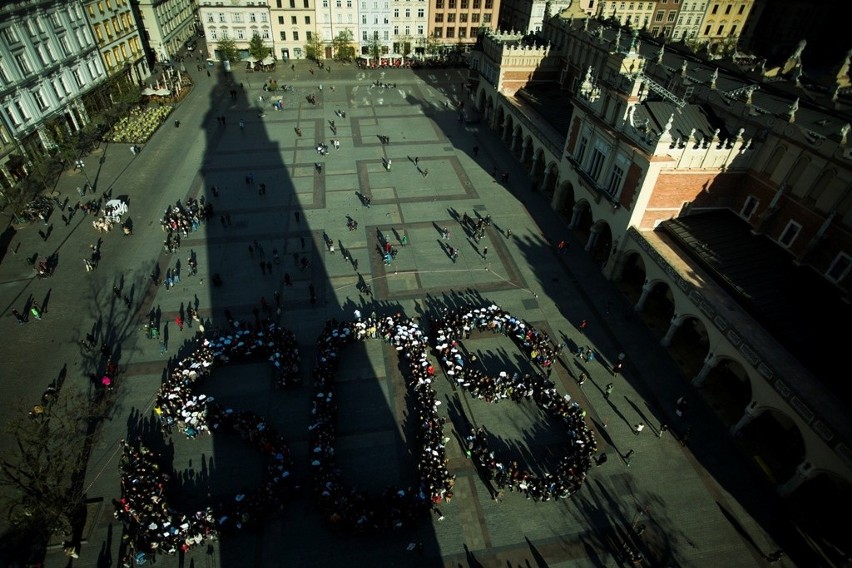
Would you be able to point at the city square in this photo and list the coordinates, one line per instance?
(678, 501)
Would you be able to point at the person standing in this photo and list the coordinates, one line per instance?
(608, 391)
(627, 457)
(35, 310)
(637, 428)
(179, 322)
(663, 429)
(485, 252)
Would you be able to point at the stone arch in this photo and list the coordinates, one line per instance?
(599, 243)
(508, 129)
(813, 502)
(537, 166)
(549, 179)
(499, 117)
(656, 305)
(480, 101)
(527, 149)
(776, 438)
(517, 142)
(688, 341)
(563, 201)
(582, 220)
(630, 275)
(728, 388)
(488, 111)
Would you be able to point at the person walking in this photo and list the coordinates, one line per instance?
(608, 391)
(627, 457)
(179, 322)
(663, 429)
(35, 310)
(637, 428)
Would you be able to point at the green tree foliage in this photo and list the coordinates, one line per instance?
(344, 50)
(374, 48)
(257, 49)
(313, 49)
(228, 51)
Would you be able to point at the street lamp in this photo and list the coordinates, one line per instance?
(82, 166)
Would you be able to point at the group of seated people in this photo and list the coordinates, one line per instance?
(352, 509)
(454, 326)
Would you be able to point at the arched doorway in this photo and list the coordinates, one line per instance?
(727, 389)
(777, 441)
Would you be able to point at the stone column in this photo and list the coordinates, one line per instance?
(751, 412)
(709, 364)
(593, 238)
(545, 180)
(646, 290)
(534, 164)
(804, 472)
(515, 143)
(676, 322)
(576, 213)
(506, 130)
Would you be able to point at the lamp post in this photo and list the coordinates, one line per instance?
(82, 166)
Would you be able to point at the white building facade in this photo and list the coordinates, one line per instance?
(239, 20)
(166, 25)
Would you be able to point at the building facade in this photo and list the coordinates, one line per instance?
(458, 22)
(528, 15)
(293, 24)
(409, 21)
(337, 19)
(655, 141)
(118, 37)
(166, 26)
(239, 20)
(48, 61)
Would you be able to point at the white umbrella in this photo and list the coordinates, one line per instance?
(268, 60)
(250, 59)
(147, 91)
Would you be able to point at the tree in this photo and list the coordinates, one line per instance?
(257, 49)
(313, 49)
(42, 475)
(227, 49)
(343, 48)
(374, 48)
(433, 44)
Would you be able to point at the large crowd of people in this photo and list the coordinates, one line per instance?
(152, 524)
(352, 509)
(181, 219)
(454, 326)
(156, 527)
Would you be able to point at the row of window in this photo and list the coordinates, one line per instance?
(239, 33)
(593, 166)
(118, 23)
(121, 53)
(106, 6)
(308, 36)
(463, 4)
(46, 56)
(17, 111)
(451, 18)
(458, 32)
(237, 18)
(294, 20)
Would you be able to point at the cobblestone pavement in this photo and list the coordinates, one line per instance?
(699, 504)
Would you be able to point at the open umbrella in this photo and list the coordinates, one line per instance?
(250, 59)
(148, 91)
(268, 60)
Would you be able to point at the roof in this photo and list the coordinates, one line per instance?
(551, 102)
(792, 302)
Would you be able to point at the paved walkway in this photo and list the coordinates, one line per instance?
(699, 503)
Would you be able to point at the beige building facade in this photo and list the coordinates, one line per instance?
(639, 160)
